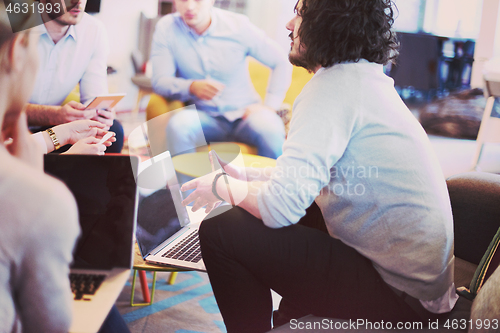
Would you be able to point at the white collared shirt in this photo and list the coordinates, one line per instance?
(79, 57)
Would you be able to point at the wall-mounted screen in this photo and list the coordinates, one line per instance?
(93, 6)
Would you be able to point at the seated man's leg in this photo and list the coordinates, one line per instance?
(114, 322)
(265, 130)
(184, 133)
(117, 146)
(287, 310)
(307, 267)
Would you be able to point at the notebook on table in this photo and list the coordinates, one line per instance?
(106, 194)
(167, 232)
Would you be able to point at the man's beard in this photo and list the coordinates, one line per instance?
(298, 59)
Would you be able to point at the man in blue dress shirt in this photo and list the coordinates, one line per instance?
(199, 56)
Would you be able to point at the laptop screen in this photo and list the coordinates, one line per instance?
(157, 220)
(105, 191)
(160, 214)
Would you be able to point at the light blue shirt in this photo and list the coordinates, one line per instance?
(79, 57)
(356, 149)
(179, 56)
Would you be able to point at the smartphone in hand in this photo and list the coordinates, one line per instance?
(215, 161)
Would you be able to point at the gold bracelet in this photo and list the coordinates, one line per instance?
(53, 136)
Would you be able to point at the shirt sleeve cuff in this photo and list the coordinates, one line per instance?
(184, 86)
(40, 140)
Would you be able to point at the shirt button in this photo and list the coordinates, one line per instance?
(201, 40)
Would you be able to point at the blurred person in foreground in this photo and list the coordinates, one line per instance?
(38, 214)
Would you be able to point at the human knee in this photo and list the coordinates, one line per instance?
(208, 232)
(267, 124)
(184, 133)
(183, 122)
(216, 224)
(267, 133)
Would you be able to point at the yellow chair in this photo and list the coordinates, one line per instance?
(74, 95)
(159, 107)
(259, 74)
(145, 87)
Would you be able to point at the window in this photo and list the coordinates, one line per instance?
(238, 6)
(453, 18)
(447, 18)
(408, 15)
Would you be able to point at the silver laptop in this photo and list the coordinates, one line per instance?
(167, 232)
(106, 194)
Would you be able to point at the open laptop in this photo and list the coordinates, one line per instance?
(167, 232)
(106, 194)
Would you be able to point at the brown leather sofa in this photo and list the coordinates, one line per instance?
(475, 201)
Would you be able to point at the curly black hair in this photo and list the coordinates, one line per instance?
(335, 31)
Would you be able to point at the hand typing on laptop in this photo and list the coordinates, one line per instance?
(206, 194)
(172, 239)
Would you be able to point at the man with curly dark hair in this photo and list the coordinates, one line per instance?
(341, 31)
(354, 222)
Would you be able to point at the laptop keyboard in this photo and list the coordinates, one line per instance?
(187, 250)
(85, 284)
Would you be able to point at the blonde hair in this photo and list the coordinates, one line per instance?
(6, 34)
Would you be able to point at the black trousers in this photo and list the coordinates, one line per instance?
(114, 322)
(312, 271)
(117, 146)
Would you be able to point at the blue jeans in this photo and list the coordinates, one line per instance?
(264, 130)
